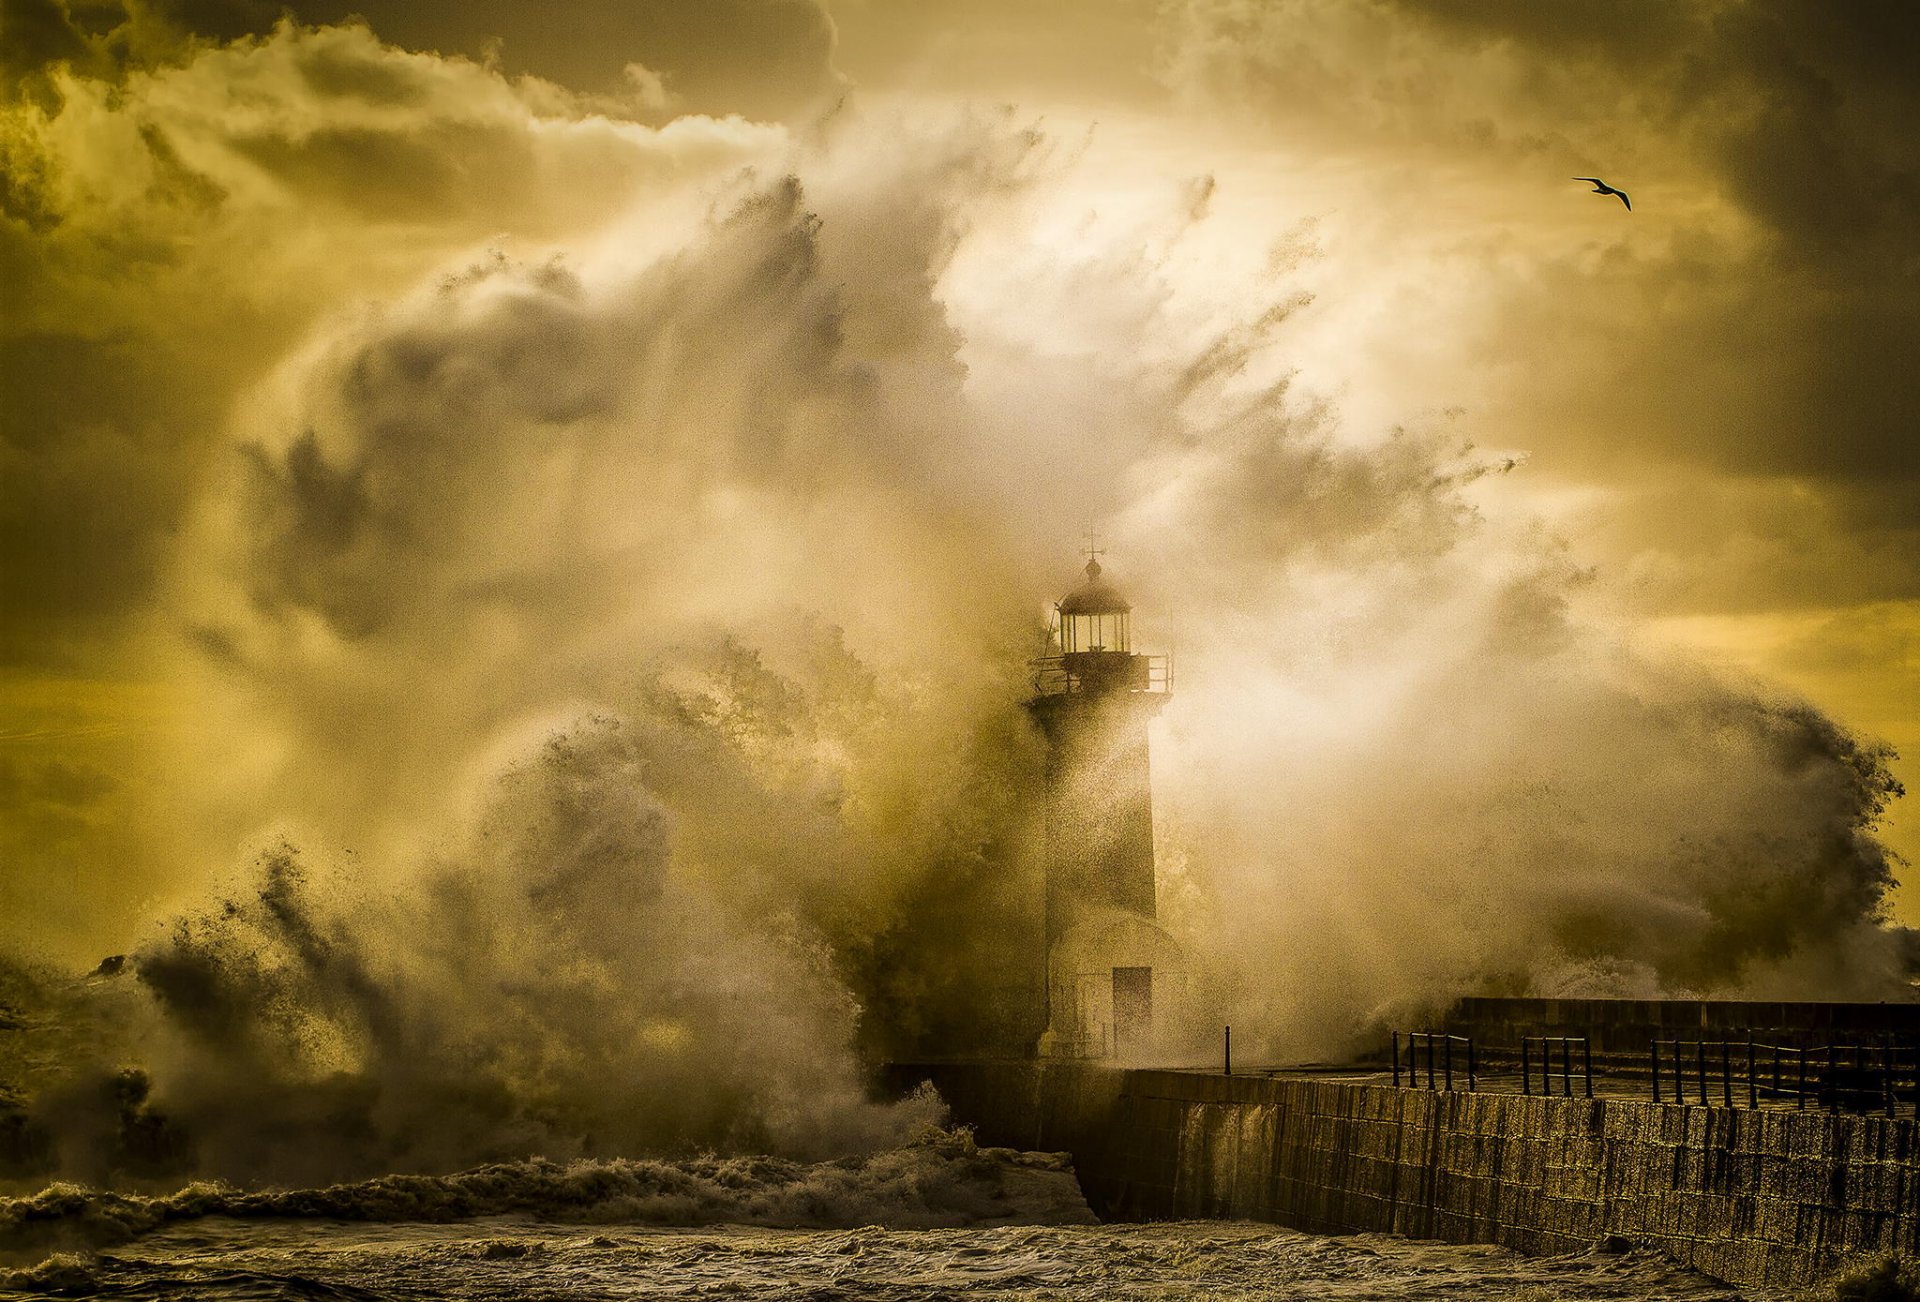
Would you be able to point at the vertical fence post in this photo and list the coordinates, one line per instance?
(1586, 1062)
(1886, 1072)
(1753, 1089)
(1526, 1064)
(1800, 1089)
(1700, 1068)
(1473, 1067)
(1396, 1060)
(1426, 1038)
(1654, 1044)
(1446, 1050)
(1227, 1053)
(1566, 1067)
(1726, 1074)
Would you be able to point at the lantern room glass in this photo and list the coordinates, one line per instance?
(1105, 631)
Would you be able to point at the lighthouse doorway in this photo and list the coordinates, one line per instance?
(1132, 1009)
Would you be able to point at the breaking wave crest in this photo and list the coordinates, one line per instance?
(942, 1181)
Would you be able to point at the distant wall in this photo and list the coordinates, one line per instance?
(1628, 1026)
(1754, 1198)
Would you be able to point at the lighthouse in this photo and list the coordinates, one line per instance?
(1114, 976)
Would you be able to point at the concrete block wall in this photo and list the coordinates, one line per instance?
(1760, 1198)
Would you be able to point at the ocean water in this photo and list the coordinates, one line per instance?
(930, 1221)
(524, 1258)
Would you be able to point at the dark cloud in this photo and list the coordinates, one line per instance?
(757, 58)
(96, 481)
(55, 782)
(1623, 30)
(35, 33)
(1088, 52)
(386, 175)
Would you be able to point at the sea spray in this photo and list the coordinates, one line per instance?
(944, 1179)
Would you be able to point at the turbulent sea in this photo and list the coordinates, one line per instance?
(947, 1220)
(523, 1258)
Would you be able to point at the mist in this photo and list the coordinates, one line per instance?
(602, 641)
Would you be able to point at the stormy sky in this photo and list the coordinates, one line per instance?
(1707, 404)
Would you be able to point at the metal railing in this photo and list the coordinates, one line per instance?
(1566, 1074)
(1056, 675)
(1439, 1056)
(1862, 1076)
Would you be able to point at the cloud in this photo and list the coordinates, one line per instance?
(761, 59)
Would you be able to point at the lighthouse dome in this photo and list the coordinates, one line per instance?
(1095, 596)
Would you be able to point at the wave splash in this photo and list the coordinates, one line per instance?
(943, 1180)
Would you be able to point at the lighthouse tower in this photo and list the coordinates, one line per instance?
(1113, 975)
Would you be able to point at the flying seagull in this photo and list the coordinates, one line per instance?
(1601, 187)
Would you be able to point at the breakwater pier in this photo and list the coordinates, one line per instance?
(1756, 1196)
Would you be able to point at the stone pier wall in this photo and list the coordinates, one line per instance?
(1749, 1197)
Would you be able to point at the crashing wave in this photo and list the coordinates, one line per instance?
(942, 1181)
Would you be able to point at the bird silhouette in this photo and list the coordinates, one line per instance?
(1601, 187)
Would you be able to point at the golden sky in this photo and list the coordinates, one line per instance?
(1703, 409)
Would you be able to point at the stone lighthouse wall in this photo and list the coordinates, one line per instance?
(1752, 1197)
(1099, 804)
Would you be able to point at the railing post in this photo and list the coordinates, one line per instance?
(1426, 1038)
(1566, 1067)
(1886, 1072)
(1526, 1064)
(1726, 1074)
(1227, 1053)
(1473, 1068)
(1654, 1045)
(1396, 1060)
(1446, 1050)
(1800, 1089)
(1753, 1089)
(1586, 1061)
